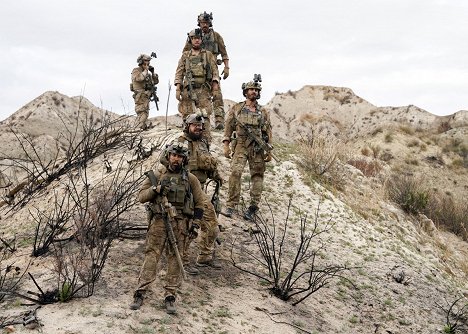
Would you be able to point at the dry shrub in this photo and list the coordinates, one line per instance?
(408, 192)
(449, 213)
(320, 155)
(368, 168)
(389, 137)
(375, 150)
(407, 129)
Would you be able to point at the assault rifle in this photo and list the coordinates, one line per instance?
(190, 81)
(154, 90)
(258, 140)
(169, 213)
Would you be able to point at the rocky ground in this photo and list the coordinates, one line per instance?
(401, 275)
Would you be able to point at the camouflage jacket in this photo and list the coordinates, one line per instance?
(141, 78)
(208, 64)
(258, 121)
(184, 186)
(213, 42)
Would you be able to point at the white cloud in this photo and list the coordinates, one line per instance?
(390, 52)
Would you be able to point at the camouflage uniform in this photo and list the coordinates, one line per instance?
(181, 184)
(245, 149)
(142, 83)
(204, 71)
(203, 165)
(213, 42)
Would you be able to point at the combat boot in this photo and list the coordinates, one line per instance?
(209, 263)
(228, 212)
(169, 303)
(250, 213)
(191, 269)
(137, 301)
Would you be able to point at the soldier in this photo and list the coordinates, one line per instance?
(242, 117)
(182, 190)
(213, 42)
(203, 165)
(196, 80)
(143, 80)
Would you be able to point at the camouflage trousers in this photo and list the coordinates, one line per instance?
(156, 244)
(209, 232)
(241, 156)
(202, 102)
(142, 102)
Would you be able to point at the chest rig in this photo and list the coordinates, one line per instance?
(209, 43)
(199, 68)
(180, 193)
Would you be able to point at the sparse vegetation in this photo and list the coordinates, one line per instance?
(295, 275)
(368, 168)
(450, 213)
(408, 192)
(388, 137)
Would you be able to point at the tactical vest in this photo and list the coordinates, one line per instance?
(200, 69)
(201, 162)
(209, 43)
(253, 120)
(180, 193)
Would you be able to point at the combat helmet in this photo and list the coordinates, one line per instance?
(255, 84)
(178, 148)
(195, 32)
(143, 57)
(196, 118)
(205, 17)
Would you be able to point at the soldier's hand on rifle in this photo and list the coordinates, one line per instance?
(267, 157)
(227, 150)
(193, 231)
(225, 72)
(178, 93)
(151, 69)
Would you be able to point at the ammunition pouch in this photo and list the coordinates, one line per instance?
(207, 162)
(188, 208)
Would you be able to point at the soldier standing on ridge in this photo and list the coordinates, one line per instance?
(182, 190)
(213, 42)
(196, 80)
(243, 117)
(143, 80)
(203, 165)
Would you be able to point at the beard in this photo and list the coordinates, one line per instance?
(175, 167)
(195, 136)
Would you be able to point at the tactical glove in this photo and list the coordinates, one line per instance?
(225, 72)
(227, 151)
(267, 157)
(163, 188)
(193, 231)
(151, 69)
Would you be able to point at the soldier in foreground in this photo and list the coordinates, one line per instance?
(213, 42)
(174, 197)
(143, 81)
(248, 130)
(204, 166)
(196, 80)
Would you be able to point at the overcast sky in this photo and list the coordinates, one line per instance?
(389, 52)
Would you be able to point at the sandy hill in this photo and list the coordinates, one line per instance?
(405, 270)
(339, 111)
